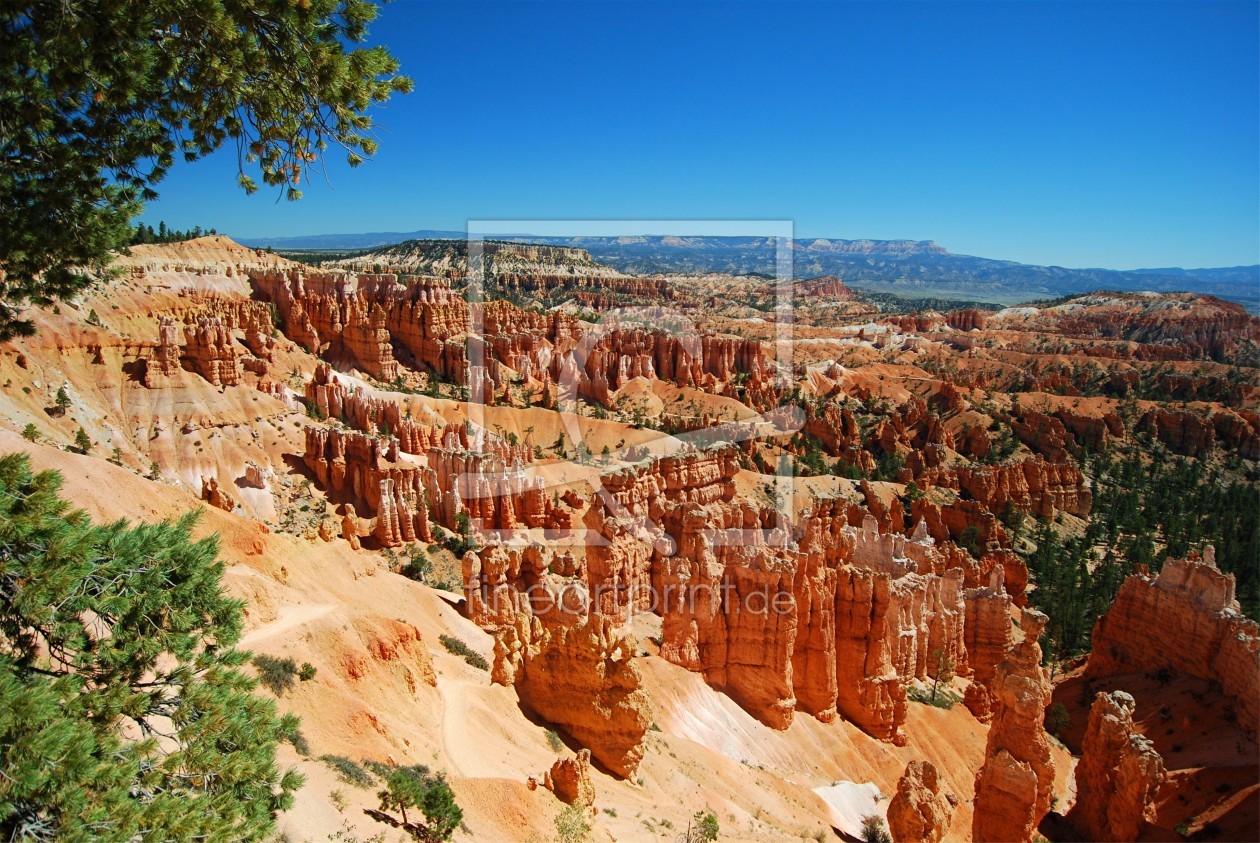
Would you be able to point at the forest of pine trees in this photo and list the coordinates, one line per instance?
(148, 234)
(1148, 507)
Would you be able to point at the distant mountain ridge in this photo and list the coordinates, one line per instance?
(913, 268)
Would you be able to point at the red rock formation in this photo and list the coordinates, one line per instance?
(1119, 775)
(979, 701)
(987, 630)
(570, 780)
(213, 495)
(948, 522)
(870, 693)
(1238, 430)
(210, 351)
(165, 362)
(1029, 485)
(1183, 432)
(582, 678)
(1013, 788)
(1094, 432)
(350, 527)
(919, 812)
(1045, 434)
(967, 319)
(1187, 620)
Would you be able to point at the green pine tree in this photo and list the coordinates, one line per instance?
(101, 99)
(113, 631)
(82, 442)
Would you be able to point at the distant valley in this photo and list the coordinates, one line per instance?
(908, 268)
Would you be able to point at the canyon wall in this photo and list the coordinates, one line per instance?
(1187, 620)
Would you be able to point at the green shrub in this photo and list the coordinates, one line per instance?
(572, 826)
(553, 741)
(874, 831)
(348, 771)
(307, 673)
(945, 699)
(459, 648)
(276, 675)
(418, 566)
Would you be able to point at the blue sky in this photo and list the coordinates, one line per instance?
(1078, 134)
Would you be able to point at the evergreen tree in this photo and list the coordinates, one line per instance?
(123, 714)
(82, 442)
(100, 99)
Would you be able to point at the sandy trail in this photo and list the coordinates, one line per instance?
(287, 618)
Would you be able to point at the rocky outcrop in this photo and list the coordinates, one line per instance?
(1118, 776)
(987, 631)
(1184, 433)
(215, 496)
(570, 780)
(1238, 430)
(1034, 485)
(869, 693)
(583, 678)
(602, 364)
(164, 364)
(919, 812)
(1013, 788)
(951, 522)
(967, 319)
(1186, 620)
(210, 351)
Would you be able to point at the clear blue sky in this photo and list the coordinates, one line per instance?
(1079, 134)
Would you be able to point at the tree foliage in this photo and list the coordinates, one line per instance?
(415, 787)
(100, 97)
(123, 714)
(1147, 507)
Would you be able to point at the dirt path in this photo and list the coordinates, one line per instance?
(287, 618)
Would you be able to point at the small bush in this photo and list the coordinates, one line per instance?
(571, 825)
(874, 831)
(307, 673)
(553, 741)
(30, 433)
(299, 742)
(276, 675)
(944, 698)
(459, 648)
(348, 771)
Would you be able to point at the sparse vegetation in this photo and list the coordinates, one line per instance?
(350, 772)
(874, 830)
(276, 675)
(572, 825)
(457, 647)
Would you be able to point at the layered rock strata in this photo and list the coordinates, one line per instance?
(1187, 620)
(1013, 788)
(1118, 776)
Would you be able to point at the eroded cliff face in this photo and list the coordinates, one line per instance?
(1185, 619)
(1036, 486)
(1119, 775)
(1013, 788)
(578, 673)
(813, 615)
